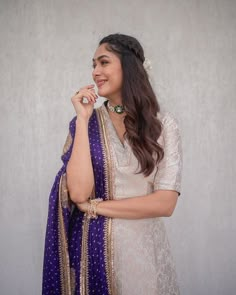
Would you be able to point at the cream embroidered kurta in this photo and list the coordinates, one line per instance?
(143, 264)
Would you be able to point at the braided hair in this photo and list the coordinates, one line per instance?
(143, 128)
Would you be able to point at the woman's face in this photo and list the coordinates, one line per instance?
(107, 73)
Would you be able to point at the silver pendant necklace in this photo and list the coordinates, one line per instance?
(119, 109)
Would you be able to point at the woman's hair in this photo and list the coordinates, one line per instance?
(142, 125)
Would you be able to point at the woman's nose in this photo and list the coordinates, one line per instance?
(96, 71)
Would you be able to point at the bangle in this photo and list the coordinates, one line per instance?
(92, 208)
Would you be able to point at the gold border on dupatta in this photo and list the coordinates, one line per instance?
(64, 262)
(109, 174)
(67, 274)
(68, 143)
(84, 284)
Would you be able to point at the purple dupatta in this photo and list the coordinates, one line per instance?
(78, 257)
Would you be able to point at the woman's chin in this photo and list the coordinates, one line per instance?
(101, 93)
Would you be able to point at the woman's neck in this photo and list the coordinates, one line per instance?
(115, 100)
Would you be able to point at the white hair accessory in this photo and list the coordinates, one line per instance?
(147, 65)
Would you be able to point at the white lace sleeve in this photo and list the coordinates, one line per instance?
(168, 176)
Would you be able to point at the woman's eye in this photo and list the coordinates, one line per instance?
(103, 62)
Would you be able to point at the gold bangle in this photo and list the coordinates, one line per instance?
(92, 208)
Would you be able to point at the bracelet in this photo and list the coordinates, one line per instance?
(92, 208)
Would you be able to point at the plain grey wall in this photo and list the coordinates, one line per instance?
(46, 48)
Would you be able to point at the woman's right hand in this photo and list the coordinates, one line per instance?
(84, 110)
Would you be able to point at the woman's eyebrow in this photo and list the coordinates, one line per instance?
(101, 56)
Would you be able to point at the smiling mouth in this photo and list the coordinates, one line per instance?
(100, 83)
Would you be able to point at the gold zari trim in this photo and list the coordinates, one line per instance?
(63, 249)
(84, 286)
(65, 199)
(68, 143)
(73, 280)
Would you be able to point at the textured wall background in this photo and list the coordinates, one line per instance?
(45, 54)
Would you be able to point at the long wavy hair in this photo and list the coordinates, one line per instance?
(143, 128)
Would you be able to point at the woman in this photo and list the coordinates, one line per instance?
(121, 174)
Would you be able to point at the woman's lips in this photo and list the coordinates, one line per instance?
(100, 83)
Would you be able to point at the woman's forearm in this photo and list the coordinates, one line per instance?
(161, 203)
(158, 204)
(80, 179)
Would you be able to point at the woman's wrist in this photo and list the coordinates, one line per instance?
(80, 120)
(91, 210)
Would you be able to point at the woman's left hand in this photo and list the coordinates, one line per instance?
(83, 206)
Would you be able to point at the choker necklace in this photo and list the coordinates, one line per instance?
(119, 109)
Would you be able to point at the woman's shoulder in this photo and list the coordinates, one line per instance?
(168, 119)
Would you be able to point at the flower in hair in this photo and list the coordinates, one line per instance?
(147, 65)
